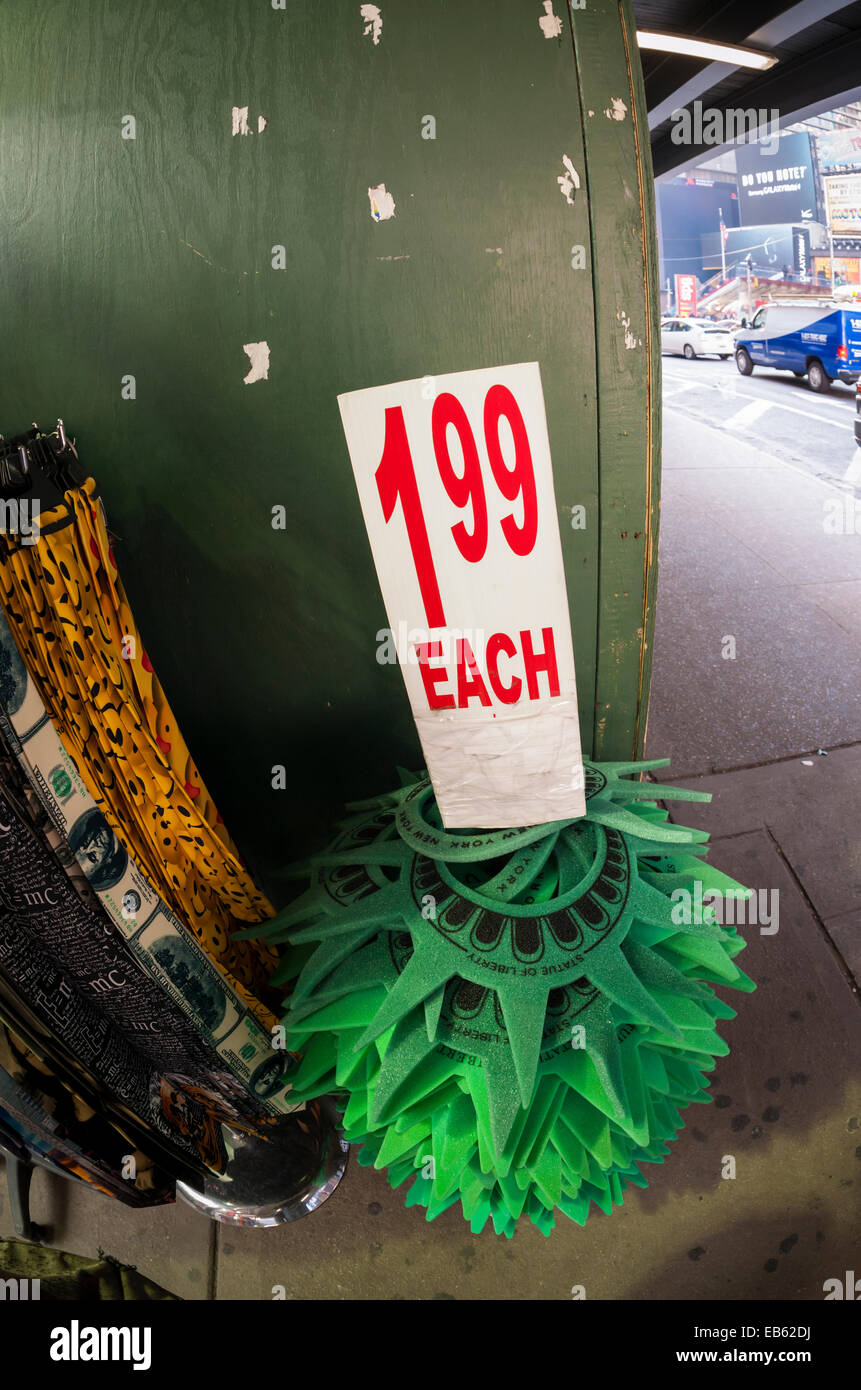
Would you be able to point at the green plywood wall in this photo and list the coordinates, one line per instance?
(152, 258)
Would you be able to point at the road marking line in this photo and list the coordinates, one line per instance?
(779, 405)
(686, 386)
(811, 415)
(774, 459)
(783, 405)
(747, 415)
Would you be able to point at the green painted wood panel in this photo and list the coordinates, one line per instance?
(621, 199)
(152, 258)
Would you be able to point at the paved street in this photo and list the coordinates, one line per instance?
(771, 409)
(758, 636)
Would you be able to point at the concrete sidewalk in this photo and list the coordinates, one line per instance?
(743, 554)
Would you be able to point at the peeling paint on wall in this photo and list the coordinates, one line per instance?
(258, 356)
(382, 203)
(630, 340)
(240, 122)
(551, 24)
(569, 181)
(617, 110)
(373, 22)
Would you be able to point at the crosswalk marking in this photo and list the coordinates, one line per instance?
(747, 415)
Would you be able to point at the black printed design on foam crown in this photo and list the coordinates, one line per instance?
(523, 937)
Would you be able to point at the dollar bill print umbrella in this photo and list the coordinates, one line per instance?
(67, 609)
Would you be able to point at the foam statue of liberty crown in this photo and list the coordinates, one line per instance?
(512, 1019)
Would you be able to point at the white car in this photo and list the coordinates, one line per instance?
(696, 338)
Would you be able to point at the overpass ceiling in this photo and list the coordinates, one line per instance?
(817, 44)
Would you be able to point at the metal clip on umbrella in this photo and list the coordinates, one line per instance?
(38, 466)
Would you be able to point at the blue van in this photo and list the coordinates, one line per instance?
(821, 341)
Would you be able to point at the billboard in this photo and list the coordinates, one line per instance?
(772, 250)
(688, 211)
(847, 269)
(839, 148)
(686, 295)
(843, 204)
(801, 247)
(778, 187)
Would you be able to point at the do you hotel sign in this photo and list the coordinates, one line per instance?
(456, 487)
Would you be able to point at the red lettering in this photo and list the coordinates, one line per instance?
(540, 661)
(468, 689)
(431, 676)
(447, 410)
(470, 681)
(519, 481)
(500, 644)
(396, 478)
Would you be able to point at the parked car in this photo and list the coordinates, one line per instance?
(821, 341)
(696, 338)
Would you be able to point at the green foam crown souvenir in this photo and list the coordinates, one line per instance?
(512, 1019)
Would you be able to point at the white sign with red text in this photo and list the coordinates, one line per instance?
(456, 487)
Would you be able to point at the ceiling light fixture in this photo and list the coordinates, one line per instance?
(702, 48)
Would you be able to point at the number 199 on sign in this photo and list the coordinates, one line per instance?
(458, 500)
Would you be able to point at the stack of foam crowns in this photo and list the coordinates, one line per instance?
(512, 1019)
